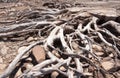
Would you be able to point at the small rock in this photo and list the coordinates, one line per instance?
(54, 74)
(14, 53)
(1, 60)
(29, 65)
(75, 46)
(56, 53)
(5, 38)
(21, 49)
(39, 53)
(107, 65)
(2, 43)
(62, 68)
(29, 59)
(35, 38)
(68, 29)
(30, 39)
(99, 53)
(3, 66)
(18, 73)
(8, 56)
(4, 50)
(97, 48)
(1, 71)
(111, 55)
(26, 66)
(90, 56)
(110, 76)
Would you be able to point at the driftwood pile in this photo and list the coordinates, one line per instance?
(71, 38)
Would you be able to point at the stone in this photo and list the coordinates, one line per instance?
(18, 73)
(4, 50)
(54, 74)
(97, 47)
(62, 68)
(29, 59)
(75, 46)
(56, 53)
(29, 65)
(2, 43)
(8, 56)
(3, 66)
(99, 53)
(21, 49)
(26, 66)
(35, 38)
(39, 53)
(1, 60)
(30, 39)
(107, 65)
(68, 29)
(1, 71)
(14, 54)
(111, 55)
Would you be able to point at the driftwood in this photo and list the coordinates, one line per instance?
(83, 33)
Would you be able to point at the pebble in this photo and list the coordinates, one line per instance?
(3, 66)
(56, 53)
(75, 46)
(18, 73)
(99, 53)
(35, 38)
(54, 74)
(30, 39)
(26, 66)
(111, 55)
(62, 68)
(4, 50)
(21, 49)
(107, 65)
(1, 60)
(1, 71)
(39, 53)
(2, 43)
(97, 48)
